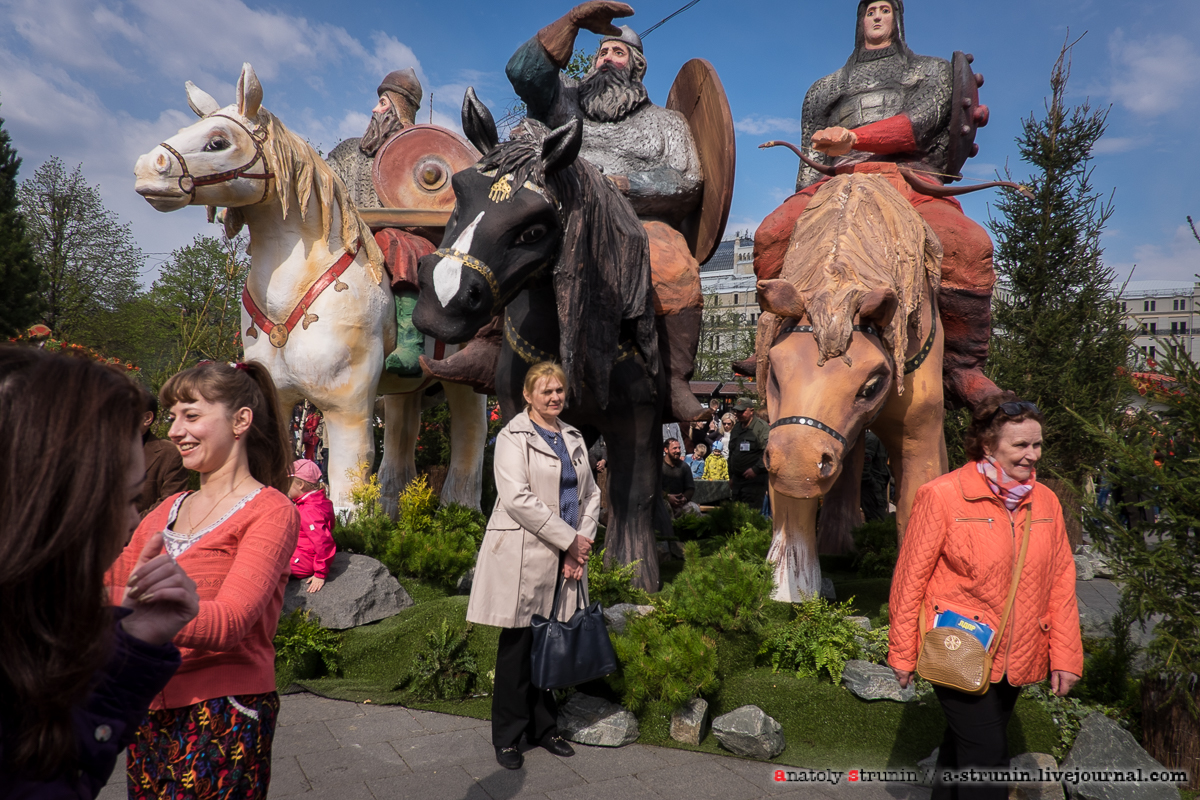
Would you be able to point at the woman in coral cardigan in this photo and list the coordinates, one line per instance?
(209, 731)
(958, 554)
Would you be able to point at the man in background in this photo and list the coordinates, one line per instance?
(165, 473)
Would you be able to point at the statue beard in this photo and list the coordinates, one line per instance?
(609, 94)
(381, 127)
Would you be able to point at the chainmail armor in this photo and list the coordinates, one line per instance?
(353, 166)
(874, 87)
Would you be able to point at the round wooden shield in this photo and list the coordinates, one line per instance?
(412, 169)
(967, 115)
(698, 94)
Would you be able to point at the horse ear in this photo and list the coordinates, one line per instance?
(249, 93)
(478, 124)
(878, 308)
(200, 101)
(561, 147)
(780, 298)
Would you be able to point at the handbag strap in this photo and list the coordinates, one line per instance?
(581, 592)
(1008, 603)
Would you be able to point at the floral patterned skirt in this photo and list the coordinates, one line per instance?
(220, 748)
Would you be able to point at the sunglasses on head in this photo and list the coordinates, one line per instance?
(1015, 407)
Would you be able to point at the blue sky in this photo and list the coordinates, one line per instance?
(99, 83)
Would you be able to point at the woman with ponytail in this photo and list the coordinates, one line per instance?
(209, 732)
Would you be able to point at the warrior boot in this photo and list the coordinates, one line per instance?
(967, 321)
(678, 337)
(410, 342)
(474, 364)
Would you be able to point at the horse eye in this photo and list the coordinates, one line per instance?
(871, 388)
(216, 144)
(532, 234)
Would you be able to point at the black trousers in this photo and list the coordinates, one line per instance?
(750, 492)
(976, 736)
(517, 705)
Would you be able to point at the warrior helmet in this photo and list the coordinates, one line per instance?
(405, 83)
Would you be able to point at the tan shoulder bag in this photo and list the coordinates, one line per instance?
(957, 660)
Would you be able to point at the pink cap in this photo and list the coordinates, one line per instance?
(306, 470)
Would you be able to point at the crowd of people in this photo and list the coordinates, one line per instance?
(143, 582)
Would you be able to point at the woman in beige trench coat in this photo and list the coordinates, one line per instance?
(546, 507)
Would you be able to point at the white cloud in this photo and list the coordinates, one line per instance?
(1111, 145)
(757, 125)
(1154, 75)
(1177, 259)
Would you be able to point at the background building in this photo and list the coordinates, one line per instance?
(1168, 310)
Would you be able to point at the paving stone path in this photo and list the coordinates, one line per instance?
(350, 751)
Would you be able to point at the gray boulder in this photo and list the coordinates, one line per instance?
(616, 616)
(1032, 763)
(928, 765)
(464, 583)
(748, 731)
(827, 590)
(875, 682)
(1102, 745)
(709, 493)
(1094, 623)
(358, 590)
(1100, 566)
(688, 723)
(1083, 569)
(862, 622)
(595, 721)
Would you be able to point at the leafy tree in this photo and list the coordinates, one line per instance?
(18, 271)
(1060, 338)
(198, 299)
(88, 259)
(725, 336)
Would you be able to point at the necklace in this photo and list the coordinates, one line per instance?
(193, 526)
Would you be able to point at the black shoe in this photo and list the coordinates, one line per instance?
(558, 745)
(509, 757)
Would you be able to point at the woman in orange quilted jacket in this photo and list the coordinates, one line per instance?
(959, 552)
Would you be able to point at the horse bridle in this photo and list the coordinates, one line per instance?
(230, 174)
(910, 365)
(471, 262)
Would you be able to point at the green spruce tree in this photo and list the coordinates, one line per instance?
(1059, 335)
(19, 301)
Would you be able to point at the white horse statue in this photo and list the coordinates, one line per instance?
(317, 308)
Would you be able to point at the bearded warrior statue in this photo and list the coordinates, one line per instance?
(887, 110)
(646, 150)
(352, 160)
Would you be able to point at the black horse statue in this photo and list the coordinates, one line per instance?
(542, 238)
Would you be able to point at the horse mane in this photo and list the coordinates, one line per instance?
(299, 170)
(857, 234)
(602, 277)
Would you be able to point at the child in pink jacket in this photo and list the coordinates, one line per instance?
(315, 548)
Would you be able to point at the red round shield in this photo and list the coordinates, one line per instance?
(412, 169)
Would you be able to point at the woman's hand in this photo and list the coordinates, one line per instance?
(315, 584)
(903, 677)
(580, 549)
(163, 598)
(1061, 682)
(572, 571)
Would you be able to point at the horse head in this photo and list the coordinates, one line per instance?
(507, 225)
(819, 407)
(218, 161)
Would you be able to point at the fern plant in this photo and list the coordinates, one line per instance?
(820, 640)
(299, 637)
(445, 669)
(660, 663)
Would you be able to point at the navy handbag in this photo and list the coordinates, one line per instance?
(572, 652)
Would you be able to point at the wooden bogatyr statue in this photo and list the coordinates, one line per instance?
(318, 308)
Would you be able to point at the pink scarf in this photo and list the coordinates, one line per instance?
(1010, 491)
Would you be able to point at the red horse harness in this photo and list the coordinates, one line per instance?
(189, 182)
(279, 332)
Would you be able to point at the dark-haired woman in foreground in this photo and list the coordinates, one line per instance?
(76, 675)
(209, 732)
(959, 552)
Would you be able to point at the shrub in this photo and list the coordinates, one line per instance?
(445, 669)
(370, 529)
(820, 640)
(660, 663)
(433, 544)
(455, 517)
(300, 640)
(613, 584)
(750, 542)
(876, 548)
(1067, 713)
(721, 591)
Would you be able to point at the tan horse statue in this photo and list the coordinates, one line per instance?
(317, 308)
(850, 342)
